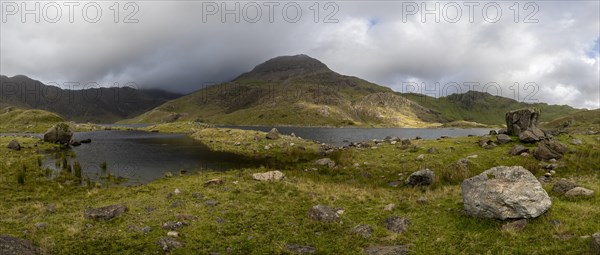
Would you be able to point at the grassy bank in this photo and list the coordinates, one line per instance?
(254, 217)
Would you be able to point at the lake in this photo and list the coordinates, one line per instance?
(143, 156)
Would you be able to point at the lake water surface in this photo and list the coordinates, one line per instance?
(144, 156)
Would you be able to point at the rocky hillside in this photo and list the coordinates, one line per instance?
(21, 120)
(587, 120)
(294, 90)
(484, 108)
(102, 105)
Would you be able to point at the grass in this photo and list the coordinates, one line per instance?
(261, 217)
(19, 120)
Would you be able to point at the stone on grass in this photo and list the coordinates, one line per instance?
(15, 246)
(595, 244)
(364, 230)
(421, 157)
(562, 186)
(387, 250)
(518, 121)
(579, 192)
(532, 135)
(518, 150)
(502, 139)
(420, 178)
(168, 244)
(273, 134)
(504, 192)
(576, 142)
(325, 162)
(397, 224)
(213, 182)
(269, 176)
(300, 249)
(549, 149)
(323, 213)
(14, 145)
(389, 207)
(105, 213)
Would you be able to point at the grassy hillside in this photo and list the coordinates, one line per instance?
(580, 121)
(294, 90)
(22, 120)
(483, 107)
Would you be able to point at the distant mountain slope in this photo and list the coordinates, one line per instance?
(483, 107)
(294, 90)
(100, 105)
(579, 121)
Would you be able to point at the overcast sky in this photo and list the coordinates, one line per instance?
(179, 46)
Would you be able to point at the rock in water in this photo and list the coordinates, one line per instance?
(59, 133)
(595, 243)
(549, 149)
(520, 120)
(323, 213)
(14, 145)
(387, 250)
(420, 178)
(502, 139)
(15, 246)
(269, 176)
(532, 135)
(105, 213)
(504, 192)
(273, 134)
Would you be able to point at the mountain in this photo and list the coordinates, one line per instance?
(294, 90)
(100, 105)
(483, 107)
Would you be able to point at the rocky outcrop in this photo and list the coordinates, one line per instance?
(549, 149)
(105, 213)
(59, 133)
(504, 193)
(520, 120)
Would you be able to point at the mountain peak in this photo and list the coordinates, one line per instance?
(285, 67)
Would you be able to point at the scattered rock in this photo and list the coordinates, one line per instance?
(214, 182)
(387, 250)
(502, 131)
(562, 186)
(518, 150)
(173, 225)
(531, 135)
(397, 224)
(493, 132)
(105, 213)
(389, 207)
(146, 229)
(323, 213)
(169, 244)
(59, 133)
(300, 249)
(14, 145)
(595, 244)
(504, 193)
(186, 217)
(576, 142)
(273, 134)
(520, 120)
(177, 192)
(423, 200)
(485, 140)
(15, 246)
(364, 230)
(432, 150)
(406, 141)
(421, 178)
(394, 184)
(325, 162)
(41, 225)
(549, 149)
(51, 208)
(269, 176)
(515, 226)
(421, 157)
(211, 202)
(579, 192)
(502, 139)
(173, 234)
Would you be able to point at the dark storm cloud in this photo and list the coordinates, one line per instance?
(172, 47)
